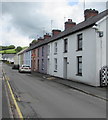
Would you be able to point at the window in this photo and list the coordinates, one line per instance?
(79, 39)
(38, 52)
(65, 45)
(48, 49)
(55, 60)
(43, 51)
(79, 65)
(55, 48)
(38, 64)
(42, 64)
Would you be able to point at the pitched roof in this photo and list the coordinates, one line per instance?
(22, 51)
(83, 25)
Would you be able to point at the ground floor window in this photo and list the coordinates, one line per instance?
(38, 64)
(55, 64)
(79, 65)
(42, 64)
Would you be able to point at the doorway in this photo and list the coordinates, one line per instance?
(65, 68)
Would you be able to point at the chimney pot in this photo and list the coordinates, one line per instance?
(88, 13)
(47, 36)
(40, 39)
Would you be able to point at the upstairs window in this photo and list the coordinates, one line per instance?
(38, 52)
(43, 51)
(79, 41)
(48, 49)
(55, 48)
(66, 45)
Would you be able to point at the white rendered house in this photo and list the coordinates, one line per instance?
(79, 52)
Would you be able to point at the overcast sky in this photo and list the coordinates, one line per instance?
(24, 21)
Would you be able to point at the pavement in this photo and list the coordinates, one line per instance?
(0, 90)
(99, 92)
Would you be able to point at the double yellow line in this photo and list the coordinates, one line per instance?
(14, 100)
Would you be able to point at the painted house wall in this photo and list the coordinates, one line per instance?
(21, 59)
(42, 57)
(88, 58)
(36, 59)
(27, 58)
(101, 46)
(33, 58)
(107, 39)
(16, 59)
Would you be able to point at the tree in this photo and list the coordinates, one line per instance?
(18, 49)
(3, 47)
(11, 47)
(34, 41)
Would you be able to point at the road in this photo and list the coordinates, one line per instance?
(39, 98)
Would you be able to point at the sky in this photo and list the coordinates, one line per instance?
(22, 21)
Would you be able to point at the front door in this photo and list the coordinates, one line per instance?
(65, 68)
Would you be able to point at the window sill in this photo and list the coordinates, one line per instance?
(55, 53)
(55, 70)
(65, 52)
(79, 74)
(79, 50)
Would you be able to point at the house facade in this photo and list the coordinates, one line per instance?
(16, 59)
(80, 55)
(39, 56)
(21, 58)
(27, 58)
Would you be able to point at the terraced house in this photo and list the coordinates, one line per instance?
(79, 52)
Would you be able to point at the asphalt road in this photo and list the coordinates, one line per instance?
(39, 98)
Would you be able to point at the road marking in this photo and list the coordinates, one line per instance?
(16, 105)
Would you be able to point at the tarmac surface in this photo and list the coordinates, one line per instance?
(41, 96)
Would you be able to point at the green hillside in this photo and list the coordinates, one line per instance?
(10, 51)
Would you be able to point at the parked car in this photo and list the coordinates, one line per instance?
(15, 67)
(25, 68)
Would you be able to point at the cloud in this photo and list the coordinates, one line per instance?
(23, 21)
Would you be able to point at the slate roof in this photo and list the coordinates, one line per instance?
(83, 25)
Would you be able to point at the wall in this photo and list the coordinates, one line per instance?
(88, 58)
(27, 58)
(40, 57)
(101, 47)
(16, 59)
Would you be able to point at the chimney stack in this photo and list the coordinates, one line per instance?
(40, 39)
(55, 32)
(88, 13)
(46, 36)
(69, 24)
